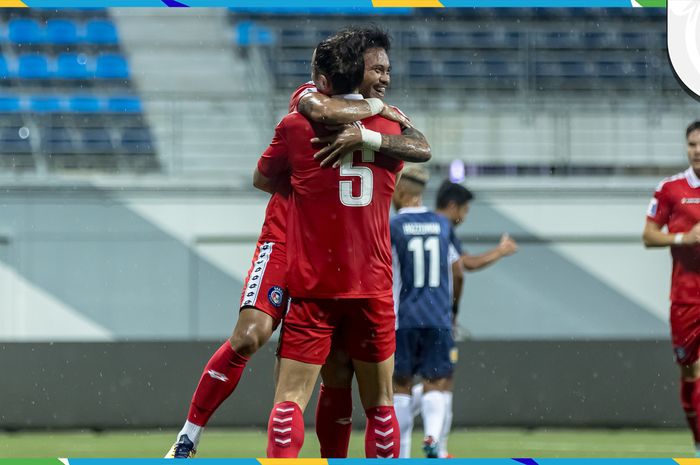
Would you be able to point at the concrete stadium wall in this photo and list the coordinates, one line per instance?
(95, 263)
(497, 383)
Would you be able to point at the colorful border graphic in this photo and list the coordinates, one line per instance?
(312, 4)
(505, 461)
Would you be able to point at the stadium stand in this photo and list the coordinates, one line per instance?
(68, 101)
(487, 49)
(509, 90)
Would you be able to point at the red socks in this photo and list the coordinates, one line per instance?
(285, 431)
(382, 436)
(218, 381)
(334, 421)
(690, 400)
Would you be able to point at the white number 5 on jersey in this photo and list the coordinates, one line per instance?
(366, 180)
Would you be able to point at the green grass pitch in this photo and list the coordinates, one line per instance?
(463, 443)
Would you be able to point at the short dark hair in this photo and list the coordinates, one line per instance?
(373, 37)
(694, 126)
(450, 192)
(338, 58)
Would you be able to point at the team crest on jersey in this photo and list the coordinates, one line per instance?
(653, 206)
(275, 295)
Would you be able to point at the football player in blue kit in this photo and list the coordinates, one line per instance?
(424, 262)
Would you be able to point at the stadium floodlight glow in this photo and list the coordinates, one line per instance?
(457, 171)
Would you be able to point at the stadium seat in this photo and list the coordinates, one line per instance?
(9, 104)
(45, 104)
(101, 32)
(125, 104)
(33, 66)
(84, 104)
(61, 32)
(58, 140)
(136, 141)
(72, 66)
(12, 142)
(4, 70)
(111, 66)
(96, 140)
(25, 31)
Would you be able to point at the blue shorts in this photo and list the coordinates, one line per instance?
(424, 351)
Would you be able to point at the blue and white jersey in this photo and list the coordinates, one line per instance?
(424, 251)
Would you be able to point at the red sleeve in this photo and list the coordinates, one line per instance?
(275, 160)
(302, 90)
(660, 206)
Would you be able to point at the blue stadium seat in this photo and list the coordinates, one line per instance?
(136, 141)
(84, 104)
(111, 66)
(501, 68)
(33, 66)
(101, 32)
(4, 68)
(61, 32)
(25, 31)
(72, 66)
(452, 68)
(555, 40)
(12, 142)
(45, 104)
(420, 68)
(125, 104)
(96, 140)
(248, 33)
(9, 104)
(58, 140)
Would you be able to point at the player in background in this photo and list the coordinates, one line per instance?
(453, 202)
(337, 272)
(424, 262)
(676, 206)
(263, 300)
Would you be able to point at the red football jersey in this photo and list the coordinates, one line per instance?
(275, 223)
(676, 204)
(338, 229)
(302, 90)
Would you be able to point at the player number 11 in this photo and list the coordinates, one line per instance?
(419, 246)
(366, 180)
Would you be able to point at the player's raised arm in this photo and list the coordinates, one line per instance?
(333, 111)
(506, 247)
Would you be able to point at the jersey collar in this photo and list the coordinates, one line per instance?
(692, 178)
(349, 96)
(413, 210)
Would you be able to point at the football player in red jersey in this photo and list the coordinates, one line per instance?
(263, 300)
(339, 266)
(676, 205)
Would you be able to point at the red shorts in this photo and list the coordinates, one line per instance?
(365, 328)
(265, 288)
(685, 332)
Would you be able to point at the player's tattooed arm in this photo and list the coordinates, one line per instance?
(324, 109)
(410, 145)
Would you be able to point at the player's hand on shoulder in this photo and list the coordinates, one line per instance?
(346, 140)
(391, 114)
(507, 245)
